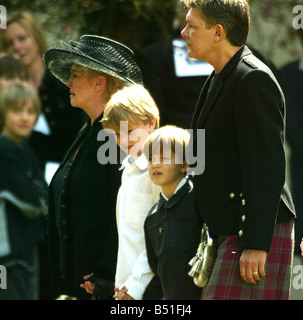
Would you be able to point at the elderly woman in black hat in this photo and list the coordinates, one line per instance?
(81, 224)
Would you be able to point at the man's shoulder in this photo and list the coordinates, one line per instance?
(250, 63)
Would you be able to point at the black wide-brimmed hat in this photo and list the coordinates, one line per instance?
(94, 52)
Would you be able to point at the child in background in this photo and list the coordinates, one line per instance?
(12, 70)
(23, 193)
(173, 226)
(137, 193)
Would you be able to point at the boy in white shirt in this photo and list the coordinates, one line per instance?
(135, 108)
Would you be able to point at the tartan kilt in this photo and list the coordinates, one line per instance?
(226, 283)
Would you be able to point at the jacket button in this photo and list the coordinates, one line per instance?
(243, 218)
(240, 233)
(243, 202)
(231, 195)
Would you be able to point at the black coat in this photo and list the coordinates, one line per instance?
(23, 192)
(82, 221)
(242, 190)
(172, 233)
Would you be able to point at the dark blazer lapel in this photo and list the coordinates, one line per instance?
(200, 102)
(79, 137)
(207, 99)
(209, 102)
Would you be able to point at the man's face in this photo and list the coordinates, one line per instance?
(199, 38)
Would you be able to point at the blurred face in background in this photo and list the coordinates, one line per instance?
(22, 44)
(19, 121)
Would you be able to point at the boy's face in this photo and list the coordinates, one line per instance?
(132, 134)
(19, 122)
(165, 172)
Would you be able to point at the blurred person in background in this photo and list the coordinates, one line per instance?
(23, 193)
(291, 80)
(58, 123)
(12, 70)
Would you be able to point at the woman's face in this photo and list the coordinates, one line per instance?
(22, 44)
(81, 89)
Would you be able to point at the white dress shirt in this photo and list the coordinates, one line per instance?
(136, 196)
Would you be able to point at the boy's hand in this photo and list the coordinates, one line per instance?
(301, 246)
(122, 294)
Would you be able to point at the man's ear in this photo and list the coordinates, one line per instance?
(219, 32)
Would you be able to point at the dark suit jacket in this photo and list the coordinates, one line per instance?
(172, 235)
(242, 190)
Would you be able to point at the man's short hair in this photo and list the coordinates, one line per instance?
(233, 15)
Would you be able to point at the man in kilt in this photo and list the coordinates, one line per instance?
(242, 195)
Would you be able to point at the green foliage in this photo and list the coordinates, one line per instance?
(272, 29)
(138, 23)
(133, 22)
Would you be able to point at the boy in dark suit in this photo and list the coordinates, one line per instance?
(242, 193)
(173, 226)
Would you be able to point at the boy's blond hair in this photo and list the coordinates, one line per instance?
(132, 103)
(171, 138)
(17, 95)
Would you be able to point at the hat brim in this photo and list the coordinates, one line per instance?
(60, 61)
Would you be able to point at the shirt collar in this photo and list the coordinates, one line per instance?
(140, 162)
(180, 185)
